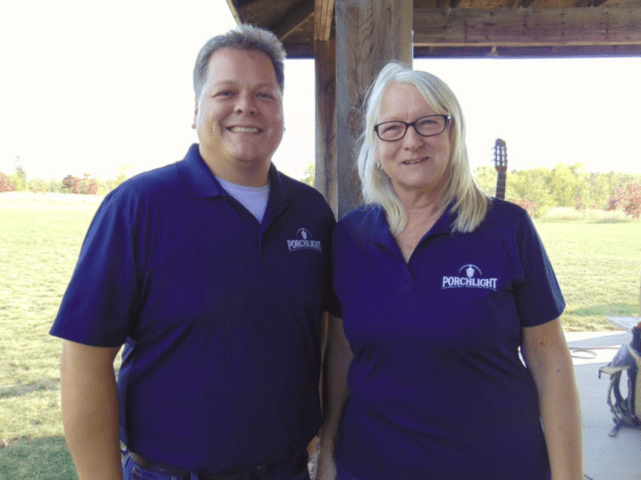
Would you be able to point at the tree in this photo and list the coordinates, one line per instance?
(5, 184)
(485, 177)
(121, 176)
(85, 185)
(628, 199)
(37, 185)
(19, 177)
(309, 175)
(532, 186)
(565, 185)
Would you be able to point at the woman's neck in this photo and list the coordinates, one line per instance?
(422, 214)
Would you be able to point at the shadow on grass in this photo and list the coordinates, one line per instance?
(42, 459)
(612, 220)
(19, 390)
(614, 310)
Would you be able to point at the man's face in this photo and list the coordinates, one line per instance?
(239, 116)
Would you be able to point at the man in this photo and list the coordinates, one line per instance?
(214, 273)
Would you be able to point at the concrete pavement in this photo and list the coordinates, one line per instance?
(606, 458)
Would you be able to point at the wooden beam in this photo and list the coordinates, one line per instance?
(323, 16)
(549, 51)
(293, 19)
(235, 12)
(326, 178)
(532, 27)
(369, 34)
(590, 3)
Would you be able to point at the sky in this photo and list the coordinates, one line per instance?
(99, 87)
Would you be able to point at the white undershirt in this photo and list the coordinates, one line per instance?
(253, 199)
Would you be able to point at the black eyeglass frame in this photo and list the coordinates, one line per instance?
(447, 119)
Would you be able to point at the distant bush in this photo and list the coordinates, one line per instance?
(526, 203)
(628, 199)
(85, 185)
(38, 186)
(5, 184)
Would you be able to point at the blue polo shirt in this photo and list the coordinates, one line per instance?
(220, 315)
(438, 390)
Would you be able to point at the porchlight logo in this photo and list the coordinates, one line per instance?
(304, 242)
(469, 280)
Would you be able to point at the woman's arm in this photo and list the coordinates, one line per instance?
(90, 410)
(339, 356)
(548, 358)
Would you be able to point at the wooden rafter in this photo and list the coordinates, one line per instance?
(323, 16)
(293, 19)
(590, 3)
(234, 11)
(527, 27)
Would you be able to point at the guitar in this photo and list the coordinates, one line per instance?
(500, 164)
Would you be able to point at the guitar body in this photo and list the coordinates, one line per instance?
(500, 164)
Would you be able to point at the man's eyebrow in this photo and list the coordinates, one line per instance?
(232, 83)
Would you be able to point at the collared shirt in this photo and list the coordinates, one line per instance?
(219, 314)
(437, 386)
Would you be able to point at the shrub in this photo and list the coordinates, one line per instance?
(526, 203)
(85, 185)
(37, 185)
(5, 184)
(628, 199)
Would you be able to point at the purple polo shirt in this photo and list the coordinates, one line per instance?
(220, 315)
(438, 390)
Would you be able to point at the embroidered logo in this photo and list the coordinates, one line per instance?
(468, 279)
(304, 241)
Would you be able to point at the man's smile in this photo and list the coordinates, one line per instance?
(240, 129)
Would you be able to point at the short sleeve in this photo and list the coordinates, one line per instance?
(101, 300)
(537, 293)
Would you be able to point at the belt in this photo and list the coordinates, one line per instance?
(250, 474)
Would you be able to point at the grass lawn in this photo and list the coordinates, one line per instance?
(598, 264)
(597, 259)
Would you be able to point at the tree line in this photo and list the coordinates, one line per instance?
(541, 189)
(85, 184)
(538, 190)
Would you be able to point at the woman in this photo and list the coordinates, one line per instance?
(440, 287)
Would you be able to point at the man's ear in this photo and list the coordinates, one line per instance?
(193, 125)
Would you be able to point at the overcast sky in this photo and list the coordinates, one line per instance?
(92, 87)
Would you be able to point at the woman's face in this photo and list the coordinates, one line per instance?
(414, 164)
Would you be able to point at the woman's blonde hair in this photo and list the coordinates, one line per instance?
(468, 201)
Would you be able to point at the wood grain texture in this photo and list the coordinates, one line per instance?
(323, 17)
(369, 34)
(326, 177)
(527, 27)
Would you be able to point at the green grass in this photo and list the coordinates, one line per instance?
(598, 265)
(597, 258)
(41, 459)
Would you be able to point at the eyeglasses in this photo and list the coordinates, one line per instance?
(427, 126)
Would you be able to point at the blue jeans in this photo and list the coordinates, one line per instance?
(132, 471)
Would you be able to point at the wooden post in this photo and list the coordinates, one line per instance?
(369, 34)
(325, 167)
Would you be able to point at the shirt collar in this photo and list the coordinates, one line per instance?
(380, 233)
(198, 181)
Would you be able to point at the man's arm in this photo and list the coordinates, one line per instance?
(90, 410)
